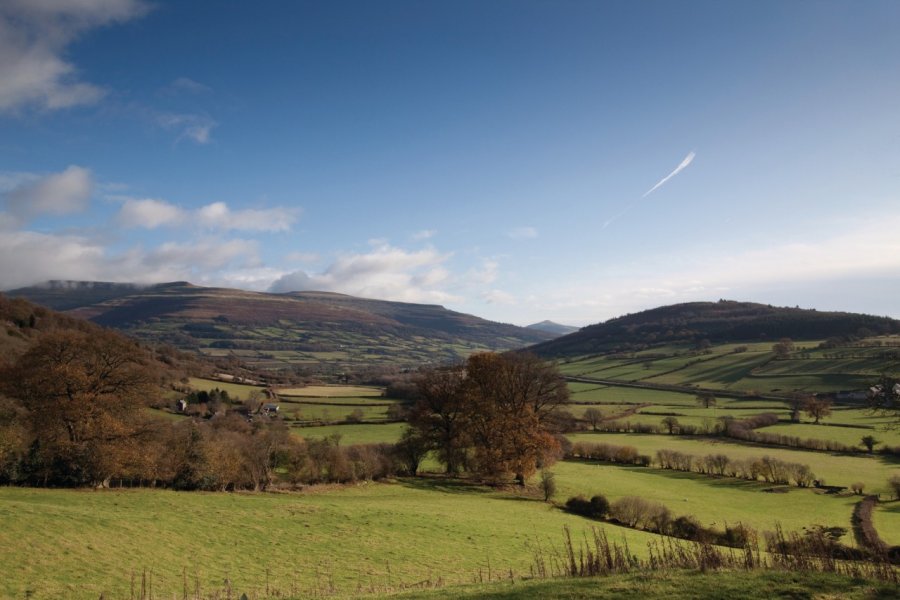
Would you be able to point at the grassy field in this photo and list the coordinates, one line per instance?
(752, 369)
(675, 585)
(364, 433)
(79, 544)
(834, 469)
(236, 391)
(715, 501)
(332, 391)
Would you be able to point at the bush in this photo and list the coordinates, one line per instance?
(595, 508)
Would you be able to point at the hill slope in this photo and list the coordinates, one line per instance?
(274, 330)
(554, 328)
(718, 322)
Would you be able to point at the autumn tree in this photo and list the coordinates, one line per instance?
(817, 408)
(82, 392)
(510, 398)
(491, 415)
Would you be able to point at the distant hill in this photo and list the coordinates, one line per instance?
(554, 328)
(275, 330)
(718, 322)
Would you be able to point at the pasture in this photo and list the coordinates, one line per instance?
(79, 544)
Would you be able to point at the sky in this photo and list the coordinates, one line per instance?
(517, 160)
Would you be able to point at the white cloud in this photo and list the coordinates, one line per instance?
(218, 216)
(522, 233)
(483, 275)
(186, 85)
(197, 128)
(681, 167)
(28, 257)
(386, 272)
(55, 194)
(34, 35)
(149, 213)
(425, 234)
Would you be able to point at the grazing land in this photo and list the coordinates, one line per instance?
(79, 544)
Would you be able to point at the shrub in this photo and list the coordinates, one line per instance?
(894, 484)
(599, 506)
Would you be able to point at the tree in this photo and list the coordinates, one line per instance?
(83, 391)
(884, 397)
(671, 424)
(492, 415)
(783, 348)
(796, 401)
(548, 484)
(511, 397)
(411, 450)
(869, 442)
(817, 408)
(706, 399)
(593, 416)
(440, 415)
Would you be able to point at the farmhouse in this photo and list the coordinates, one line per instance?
(270, 408)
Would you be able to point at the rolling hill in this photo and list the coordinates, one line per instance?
(717, 322)
(276, 330)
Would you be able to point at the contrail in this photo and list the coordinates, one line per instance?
(687, 160)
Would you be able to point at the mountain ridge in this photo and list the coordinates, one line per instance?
(287, 328)
(717, 322)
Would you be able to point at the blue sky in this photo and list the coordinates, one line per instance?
(521, 161)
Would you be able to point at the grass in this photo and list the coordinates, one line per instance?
(834, 469)
(715, 501)
(675, 585)
(333, 391)
(826, 431)
(79, 544)
(387, 433)
(237, 391)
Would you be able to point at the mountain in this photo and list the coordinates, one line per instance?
(718, 322)
(277, 330)
(551, 327)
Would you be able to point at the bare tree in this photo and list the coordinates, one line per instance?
(593, 416)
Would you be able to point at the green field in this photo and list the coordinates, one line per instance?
(236, 391)
(834, 469)
(715, 501)
(77, 544)
(332, 391)
(384, 433)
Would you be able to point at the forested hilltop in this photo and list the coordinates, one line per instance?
(715, 322)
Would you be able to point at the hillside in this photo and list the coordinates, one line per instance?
(718, 322)
(276, 330)
(554, 328)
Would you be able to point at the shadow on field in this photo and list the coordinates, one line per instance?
(732, 483)
(436, 483)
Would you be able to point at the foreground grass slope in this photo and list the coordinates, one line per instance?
(678, 585)
(79, 544)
